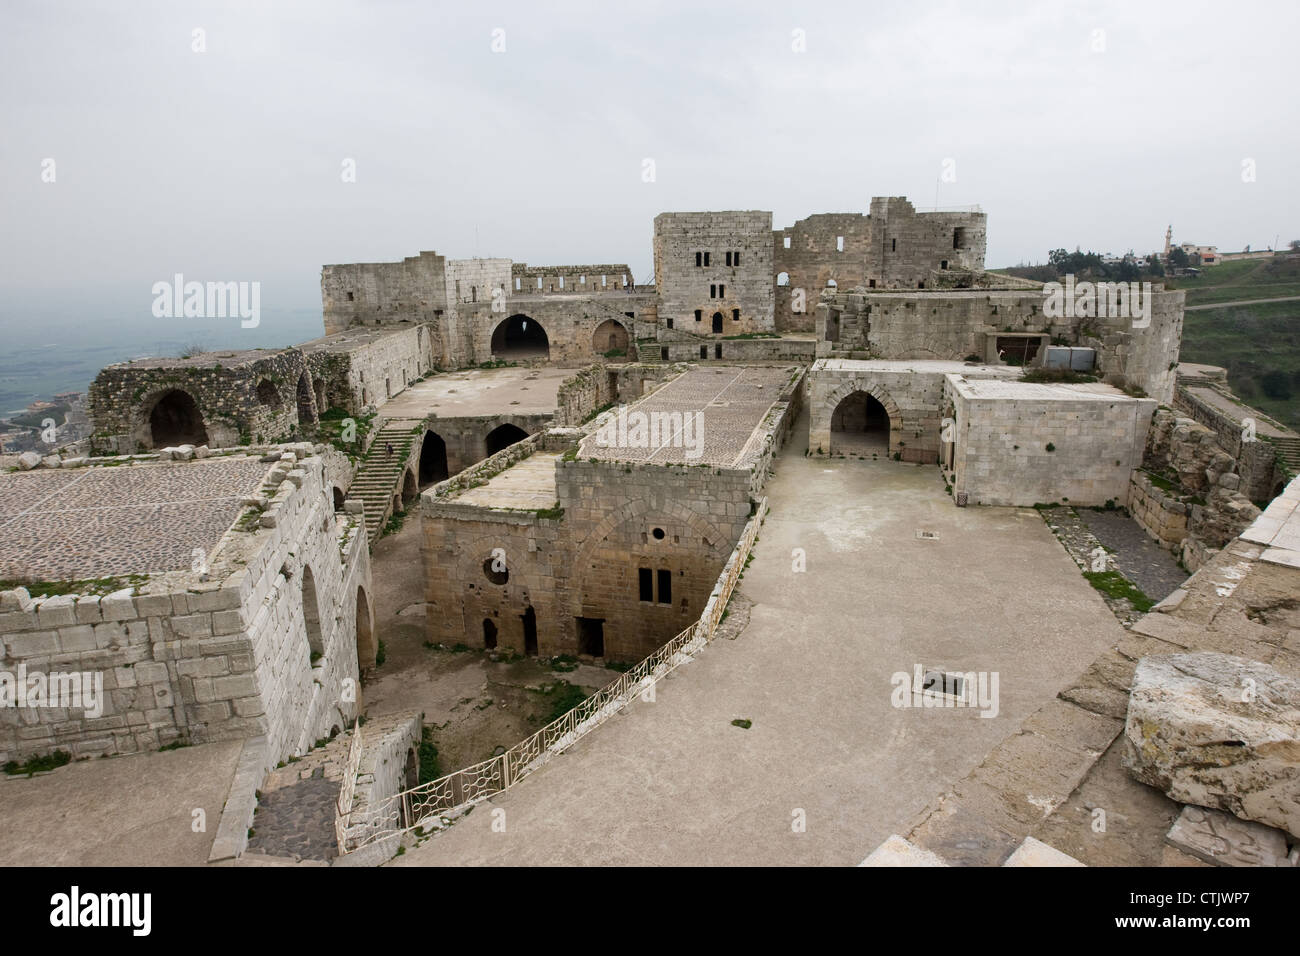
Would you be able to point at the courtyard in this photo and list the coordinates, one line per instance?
(828, 768)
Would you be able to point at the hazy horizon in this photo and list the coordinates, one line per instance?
(227, 164)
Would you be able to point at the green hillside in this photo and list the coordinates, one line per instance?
(1242, 279)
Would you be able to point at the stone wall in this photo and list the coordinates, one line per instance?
(380, 293)
(814, 253)
(590, 389)
(741, 295)
(588, 279)
(1041, 445)
(978, 325)
(1161, 513)
(912, 394)
(240, 398)
(907, 247)
(1256, 461)
(585, 560)
(226, 654)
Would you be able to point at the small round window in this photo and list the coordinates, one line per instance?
(493, 575)
(658, 533)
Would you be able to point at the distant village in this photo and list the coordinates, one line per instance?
(44, 426)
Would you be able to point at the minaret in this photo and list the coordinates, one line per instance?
(1169, 235)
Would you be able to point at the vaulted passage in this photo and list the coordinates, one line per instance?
(433, 459)
(503, 436)
(520, 337)
(859, 426)
(176, 420)
(365, 631)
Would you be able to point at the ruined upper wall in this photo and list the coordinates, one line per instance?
(824, 250)
(378, 293)
(907, 246)
(590, 279)
(700, 286)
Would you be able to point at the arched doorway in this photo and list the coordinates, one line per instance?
(610, 339)
(433, 459)
(520, 337)
(410, 489)
(717, 322)
(318, 387)
(306, 411)
(311, 614)
(339, 498)
(503, 436)
(366, 647)
(859, 426)
(489, 633)
(176, 420)
(268, 394)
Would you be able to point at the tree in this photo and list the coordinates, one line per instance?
(1295, 245)
(1177, 258)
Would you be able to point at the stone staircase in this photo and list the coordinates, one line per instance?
(1288, 449)
(379, 475)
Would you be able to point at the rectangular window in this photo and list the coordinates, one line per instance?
(665, 586)
(518, 284)
(735, 315)
(722, 292)
(539, 282)
(647, 585)
(735, 258)
(561, 282)
(603, 282)
(699, 314)
(787, 242)
(839, 243)
(699, 259)
(706, 258)
(728, 258)
(704, 351)
(893, 245)
(713, 291)
(670, 323)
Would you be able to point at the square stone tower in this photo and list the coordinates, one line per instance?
(713, 271)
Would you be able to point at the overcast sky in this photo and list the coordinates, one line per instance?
(227, 164)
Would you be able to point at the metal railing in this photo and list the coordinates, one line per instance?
(409, 809)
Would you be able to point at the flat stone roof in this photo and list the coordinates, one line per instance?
(228, 358)
(349, 339)
(731, 403)
(480, 392)
(526, 485)
(64, 524)
(996, 389)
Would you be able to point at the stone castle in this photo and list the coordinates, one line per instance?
(228, 594)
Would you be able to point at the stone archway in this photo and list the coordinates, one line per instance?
(175, 419)
(410, 488)
(610, 339)
(503, 436)
(520, 337)
(306, 401)
(433, 459)
(819, 432)
(860, 426)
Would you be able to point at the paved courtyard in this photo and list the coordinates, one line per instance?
(674, 782)
(730, 403)
(67, 524)
(498, 391)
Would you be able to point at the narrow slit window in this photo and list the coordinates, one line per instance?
(647, 585)
(665, 586)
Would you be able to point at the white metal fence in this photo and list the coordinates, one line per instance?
(407, 810)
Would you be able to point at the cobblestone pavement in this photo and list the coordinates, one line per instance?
(1134, 554)
(1129, 551)
(730, 403)
(297, 820)
(68, 524)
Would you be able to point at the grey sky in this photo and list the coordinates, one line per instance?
(226, 164)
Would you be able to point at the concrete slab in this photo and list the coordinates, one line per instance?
(136, 810)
